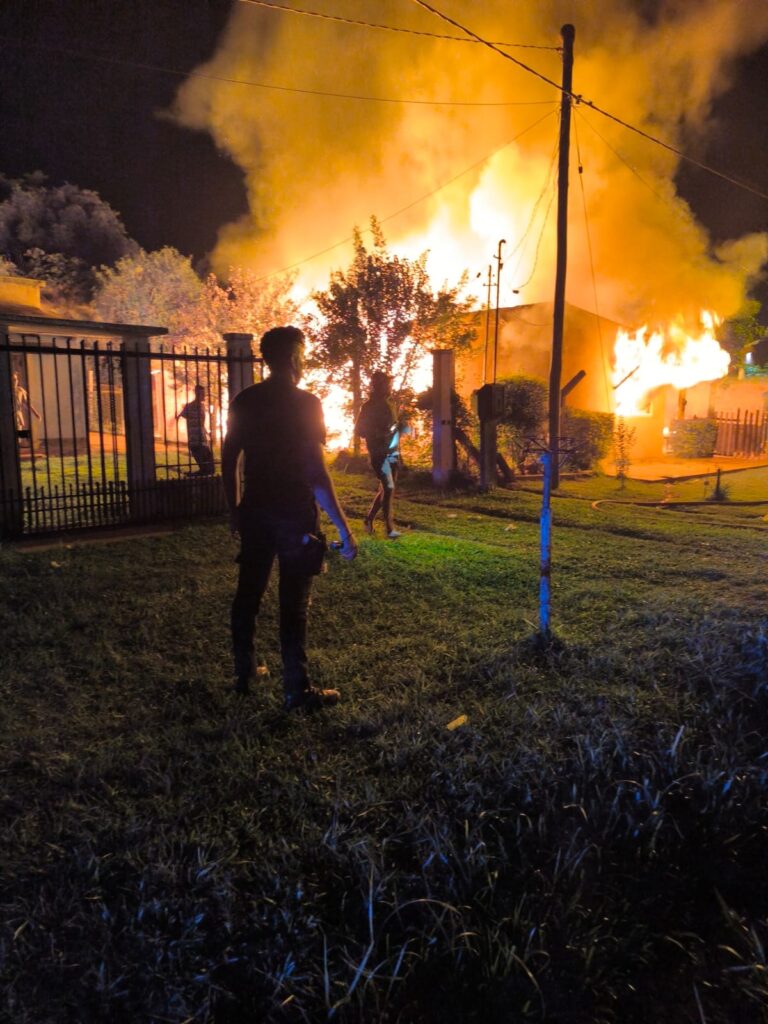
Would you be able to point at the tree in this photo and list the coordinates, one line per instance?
(61, 234)
(379, 314)
(162, 288)
(740, 333)
(247, 303)
(158, 288)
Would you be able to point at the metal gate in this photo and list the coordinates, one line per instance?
(107, 430)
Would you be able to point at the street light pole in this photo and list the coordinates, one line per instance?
(500, 263)
(487, 325)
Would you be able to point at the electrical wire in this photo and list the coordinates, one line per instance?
(80, 55)
(666, 200)
(547, 186)
(421, 199)
(576, 98)
(592, 265)
(544, 223)
(387, 28)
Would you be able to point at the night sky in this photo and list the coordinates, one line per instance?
(96, 124)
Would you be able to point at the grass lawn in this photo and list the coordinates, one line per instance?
(588, 846)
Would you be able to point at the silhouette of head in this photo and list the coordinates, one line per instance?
(381, 384)
(283, 351)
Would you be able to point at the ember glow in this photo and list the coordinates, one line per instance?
(644, 362)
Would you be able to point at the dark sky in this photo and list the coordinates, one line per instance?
(95, 124)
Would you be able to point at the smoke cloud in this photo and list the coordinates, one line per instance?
(456, 179)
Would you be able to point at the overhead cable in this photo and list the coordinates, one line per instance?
(591, 264)
(575, 98)
(387, 28)
(81, 55)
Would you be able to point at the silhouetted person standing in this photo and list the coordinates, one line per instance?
(378, 425)
(280, 430)
(198, 438)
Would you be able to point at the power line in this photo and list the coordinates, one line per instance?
(662, 199)
(80, 55)
(387, 28)
(592, 265)
(590, 103)
(421, 199)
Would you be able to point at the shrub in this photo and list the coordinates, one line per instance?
(525, 410)
(590, 435)
(693, 439)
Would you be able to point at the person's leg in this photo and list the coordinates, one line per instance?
(373, 511)
(205, 460)
(194, 451)
(256, 557)
(378, 459)
(295, 589)
(389, 473)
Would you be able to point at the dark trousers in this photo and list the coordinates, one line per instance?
(203, 456)
(266, 536)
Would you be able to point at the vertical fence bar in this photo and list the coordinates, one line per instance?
(11, 496)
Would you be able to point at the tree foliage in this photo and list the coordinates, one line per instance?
(61, 234)
(162, 288)
(380, 314)
(158, 288)
(740, 333)
(247, 303)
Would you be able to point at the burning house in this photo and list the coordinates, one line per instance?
(654, 379)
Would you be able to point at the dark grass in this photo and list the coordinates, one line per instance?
(590, 846)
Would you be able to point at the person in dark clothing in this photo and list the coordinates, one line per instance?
(198, 438)
(280, 430)
(378, 425)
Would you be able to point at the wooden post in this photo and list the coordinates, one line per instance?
(568, 33)
(139, 426)
(11, 517)
(443, 451)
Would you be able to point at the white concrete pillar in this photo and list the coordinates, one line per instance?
(443, 448)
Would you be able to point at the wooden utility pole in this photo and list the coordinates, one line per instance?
(568, 33)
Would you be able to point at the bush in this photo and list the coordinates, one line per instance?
(525, 409)
(693, 439)
(590, 435)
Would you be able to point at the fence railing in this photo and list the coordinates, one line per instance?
(741, 434)
(100, 431)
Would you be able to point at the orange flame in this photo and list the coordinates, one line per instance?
(673, 357)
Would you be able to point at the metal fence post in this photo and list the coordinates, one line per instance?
(139, 428)
(443, 450)
(11, 518)
(239, 363)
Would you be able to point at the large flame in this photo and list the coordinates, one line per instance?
(644, 362)
(457, 178)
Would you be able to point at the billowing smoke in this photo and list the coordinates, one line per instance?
(456, 179)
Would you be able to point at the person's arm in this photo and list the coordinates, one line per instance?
(325, 495)
(230, 452)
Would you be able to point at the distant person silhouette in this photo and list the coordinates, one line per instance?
(22, 404)
(378, 425)
(198, 438)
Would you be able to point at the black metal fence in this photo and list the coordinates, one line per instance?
(106, 431)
